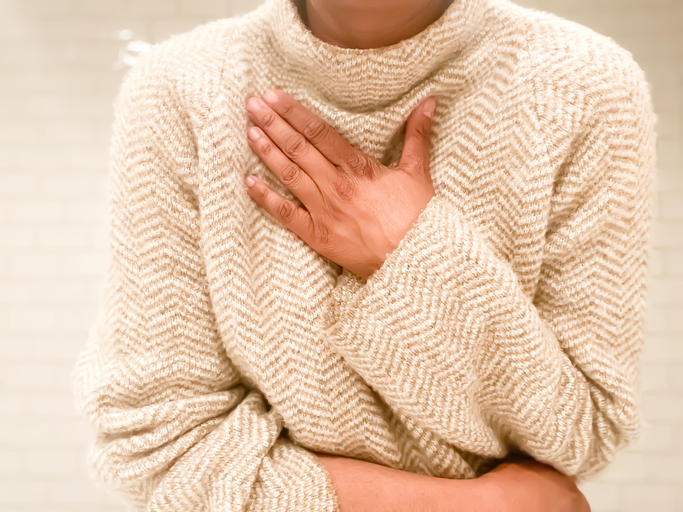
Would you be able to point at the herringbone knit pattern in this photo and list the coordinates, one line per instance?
(510, 316)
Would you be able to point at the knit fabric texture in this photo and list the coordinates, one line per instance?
(510, 316)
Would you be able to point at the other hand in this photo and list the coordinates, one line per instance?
(522, 484)
(356, 209)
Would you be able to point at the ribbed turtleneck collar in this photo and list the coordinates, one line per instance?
(374, 77)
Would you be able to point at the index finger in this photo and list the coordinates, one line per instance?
(325, 138)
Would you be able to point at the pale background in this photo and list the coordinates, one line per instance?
(61, 63)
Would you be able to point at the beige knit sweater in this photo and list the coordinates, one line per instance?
(510, 315)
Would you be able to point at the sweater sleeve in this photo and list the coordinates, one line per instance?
(446, 334)
(176, 430)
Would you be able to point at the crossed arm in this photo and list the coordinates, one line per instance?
(519, 484)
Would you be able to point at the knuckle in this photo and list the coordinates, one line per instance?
(420, 163)
(287, 107)
(268, 119)
(295, 145)
(315, 131)
(265, 147)
(422, 130)
(290, 174)
(322, 234)
(359, 164)
(260, 193)
(286, 210)
(344, 188)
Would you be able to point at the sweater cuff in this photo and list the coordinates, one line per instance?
(292, 478)
(424, 248)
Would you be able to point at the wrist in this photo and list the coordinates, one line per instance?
(494, 494)
(472, 495)
(362, 486)
(367, 487)
(527, 486)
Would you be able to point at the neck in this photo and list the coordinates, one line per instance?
(363, 80)
(370, 23)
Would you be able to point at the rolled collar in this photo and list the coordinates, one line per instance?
(374, 77)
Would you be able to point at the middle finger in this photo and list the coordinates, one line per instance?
(290, 174)
(292, 143)
(323, 137)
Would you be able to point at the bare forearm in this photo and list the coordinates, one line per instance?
(366, 487)
(519, 485)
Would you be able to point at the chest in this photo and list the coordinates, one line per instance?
(268, 288)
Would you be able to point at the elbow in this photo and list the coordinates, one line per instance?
(610, 433)
(131, 459)
(591, 443)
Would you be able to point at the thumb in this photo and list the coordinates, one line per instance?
(415, 156)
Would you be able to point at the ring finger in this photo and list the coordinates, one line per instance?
(290, 174)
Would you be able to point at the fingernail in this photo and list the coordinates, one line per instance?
(249, 181)
(270, 96)
(429, 107)
(253, 104)
(253, 133)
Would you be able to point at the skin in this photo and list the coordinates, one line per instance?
(369, 23)
(520, 484)
(355, 212)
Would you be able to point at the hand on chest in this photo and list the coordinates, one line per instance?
(352, 191)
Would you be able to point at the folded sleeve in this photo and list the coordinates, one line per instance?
(175, 429)
(447, 335)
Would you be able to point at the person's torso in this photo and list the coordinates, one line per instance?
(489, 157)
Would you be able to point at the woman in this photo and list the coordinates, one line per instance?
(411, 290)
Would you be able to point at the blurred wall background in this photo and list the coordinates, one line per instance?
(61, 63)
